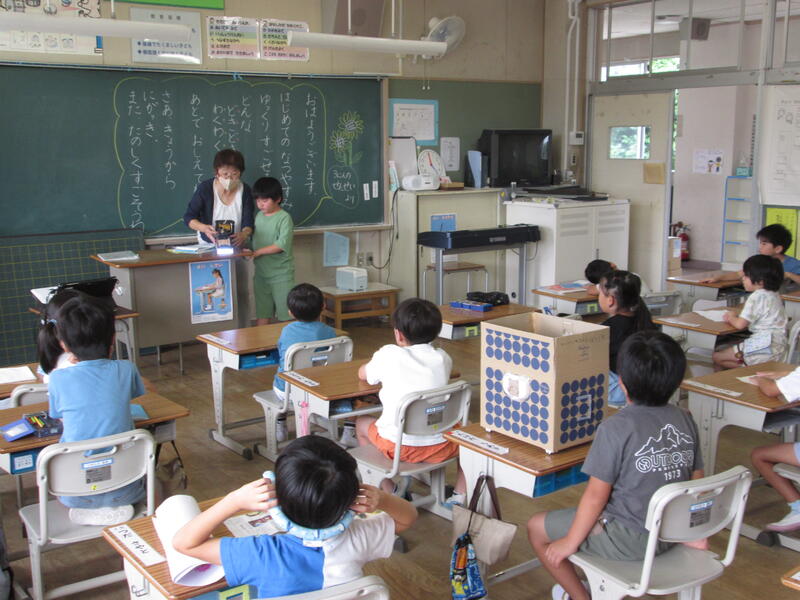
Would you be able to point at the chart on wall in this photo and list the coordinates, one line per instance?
(780, 158)
(49, 42)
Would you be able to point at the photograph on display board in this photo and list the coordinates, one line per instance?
(210, 291)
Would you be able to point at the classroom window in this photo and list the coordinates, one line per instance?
(663, 64)
(629, 142)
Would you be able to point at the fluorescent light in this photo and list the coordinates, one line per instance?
(305, 39)
(13, 21)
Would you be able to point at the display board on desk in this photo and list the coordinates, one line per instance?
(109, 149)
(35, 261)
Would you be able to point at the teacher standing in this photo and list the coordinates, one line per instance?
(223, 205)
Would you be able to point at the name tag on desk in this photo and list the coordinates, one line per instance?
(302, 379)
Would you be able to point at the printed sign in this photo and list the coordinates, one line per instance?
(210, 295)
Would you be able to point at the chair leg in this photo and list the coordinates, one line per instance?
(37, 583)
(603, 589)
(486, 281)
(694, 593)
(269, 450)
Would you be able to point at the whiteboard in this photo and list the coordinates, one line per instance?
(779, 164)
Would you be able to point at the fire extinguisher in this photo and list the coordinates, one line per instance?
(682, 231)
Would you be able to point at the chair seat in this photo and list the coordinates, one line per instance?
(60, 529)
(268, 398)
(788, 471)
(373, 457)
(678, 568)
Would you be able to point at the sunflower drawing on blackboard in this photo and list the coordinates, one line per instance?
(348, 129)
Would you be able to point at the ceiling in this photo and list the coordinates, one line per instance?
(634, 19)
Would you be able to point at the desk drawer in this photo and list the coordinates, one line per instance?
(255, 361)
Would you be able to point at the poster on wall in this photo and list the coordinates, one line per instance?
(210, 296)
(415, 118)
(232, 37)
(156, 51)
(275, 40)
(47, 42)
(780, 155)
(707, 162)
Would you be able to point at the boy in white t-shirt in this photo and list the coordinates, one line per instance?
(413, 365)
(775, 383)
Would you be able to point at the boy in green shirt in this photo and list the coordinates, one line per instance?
(272, 252)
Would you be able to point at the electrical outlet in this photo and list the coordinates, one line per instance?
(360, 259)
(573, 160)
(369, 259)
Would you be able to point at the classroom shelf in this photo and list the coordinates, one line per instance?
(737, 221)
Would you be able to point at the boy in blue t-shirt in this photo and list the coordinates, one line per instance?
(305, 304)
(316, 487)
(93, 398)
(646, 445)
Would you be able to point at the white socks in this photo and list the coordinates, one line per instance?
(107, 515)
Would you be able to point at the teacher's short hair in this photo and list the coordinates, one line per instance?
(229, 158)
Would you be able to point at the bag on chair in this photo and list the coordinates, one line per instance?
(491, 537)
(465, 574)
(171, 475)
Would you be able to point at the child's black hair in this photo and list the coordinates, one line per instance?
(86, 326)
(48, 347)
(305, 302)
(218, 272)
(268, 188)
(596, 269)
(766, 270)
(777, 235)
(626, 288)
(418, 320)
(316, 481)
(651, 366)
(229, 158)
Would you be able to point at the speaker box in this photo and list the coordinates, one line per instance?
(700, 29)
(366, 19)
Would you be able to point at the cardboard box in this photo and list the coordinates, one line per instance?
(544, 380)
(673, 256)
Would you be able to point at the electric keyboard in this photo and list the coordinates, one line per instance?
(473, 238)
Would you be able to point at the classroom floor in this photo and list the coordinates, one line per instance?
(423, 571)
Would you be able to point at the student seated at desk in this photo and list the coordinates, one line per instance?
(93, 398)
(304, 303)
(50, 352)
(594, 271)
(619, 297)
(316, 489)
(773, 240)
(413, 365)
(610, 519)
(763, 314)
(764, 458)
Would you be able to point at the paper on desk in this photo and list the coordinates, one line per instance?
(16, 375)
(173, 514)
(711, 315)
(748, 379)
(249, 524)
(137, 546)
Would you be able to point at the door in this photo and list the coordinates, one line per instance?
(644, 178)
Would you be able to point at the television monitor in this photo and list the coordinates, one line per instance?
(520, 155)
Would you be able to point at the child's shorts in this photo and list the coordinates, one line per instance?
(609, 539)
(271, 299)
(413, 454)
(130, 494)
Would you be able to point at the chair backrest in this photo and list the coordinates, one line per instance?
(692, 510)
(662, 303)
(316, 354)
(95, 466)
(794, 332)
(369, 587)
(27, 393)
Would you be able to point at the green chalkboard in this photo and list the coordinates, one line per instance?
(92, 149)
(466, 108)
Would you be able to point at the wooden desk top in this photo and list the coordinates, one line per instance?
(153, 258)
(119, 312)
(338, 381)
(158, 408)
(373, 289)
(7, 388)
(694, 279)
(248, 339)
(695, 322)
(791, 297)
(158, 575)
(462, 316)
(523, 456)
(792, 579)
(578, 295)
(751, 395)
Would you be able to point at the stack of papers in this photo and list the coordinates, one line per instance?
(193, 248)
(568, 287)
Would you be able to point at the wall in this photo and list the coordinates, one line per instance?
(504, 42)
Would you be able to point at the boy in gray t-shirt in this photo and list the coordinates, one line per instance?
(646, 445)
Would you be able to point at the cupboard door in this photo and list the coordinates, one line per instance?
(611, 231)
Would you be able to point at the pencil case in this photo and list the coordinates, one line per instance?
(470, 305)
(43, 424)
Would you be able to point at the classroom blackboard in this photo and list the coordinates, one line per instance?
(89, 149)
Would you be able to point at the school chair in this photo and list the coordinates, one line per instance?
(794, 332)
(685, 511)
(420, 413)
(771, 538)
(298, 356)
(368, 587)
(662, 303)
(23, 395)
(64, 470)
